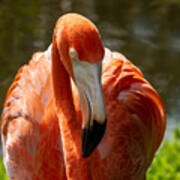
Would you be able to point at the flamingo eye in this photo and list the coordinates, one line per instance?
(73, 54)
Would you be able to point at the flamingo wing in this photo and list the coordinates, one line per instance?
(136, 121)
(28, 111)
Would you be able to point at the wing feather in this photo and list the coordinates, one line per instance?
(136, 118)
(23, 111)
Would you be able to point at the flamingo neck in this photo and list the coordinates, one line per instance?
(76, 166)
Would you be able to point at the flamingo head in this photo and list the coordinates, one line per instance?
(81, 52)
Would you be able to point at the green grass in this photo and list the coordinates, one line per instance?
(166, 165)
(3, 175)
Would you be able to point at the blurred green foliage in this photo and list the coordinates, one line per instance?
(166, 165)
(3, 175)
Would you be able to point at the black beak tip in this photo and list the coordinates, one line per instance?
(91, 137)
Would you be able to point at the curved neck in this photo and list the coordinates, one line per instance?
(76, 166)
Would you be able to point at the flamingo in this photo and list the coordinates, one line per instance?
(79, 111)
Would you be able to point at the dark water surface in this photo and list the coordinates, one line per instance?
(145, 31)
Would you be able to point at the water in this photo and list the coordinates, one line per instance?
(147, 32)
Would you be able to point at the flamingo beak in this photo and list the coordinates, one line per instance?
(88, 80)
(95, 124)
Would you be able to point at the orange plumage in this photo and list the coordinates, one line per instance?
(41, 119)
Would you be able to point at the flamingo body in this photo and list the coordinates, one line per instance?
(33, 146)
